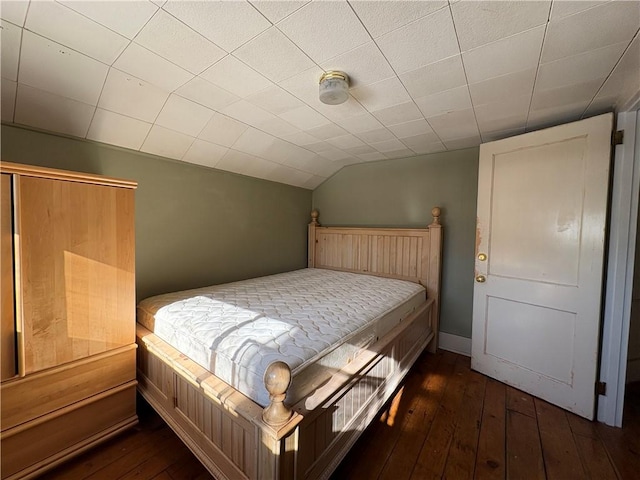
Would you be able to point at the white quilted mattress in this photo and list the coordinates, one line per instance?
(314, 320)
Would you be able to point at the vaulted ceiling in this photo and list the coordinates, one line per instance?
(233, 85)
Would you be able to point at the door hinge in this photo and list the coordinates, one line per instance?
(617, 137)
(601, 388)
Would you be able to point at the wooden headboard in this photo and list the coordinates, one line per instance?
(413, 254)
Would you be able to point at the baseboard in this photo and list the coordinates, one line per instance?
(633, 370)
(454, 343)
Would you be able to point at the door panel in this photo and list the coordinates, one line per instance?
(8, 325)
(542, 203)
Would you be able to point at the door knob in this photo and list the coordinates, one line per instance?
(481, 279)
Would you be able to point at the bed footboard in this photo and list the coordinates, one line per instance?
(227, 431)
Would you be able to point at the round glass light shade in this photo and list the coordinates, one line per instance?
(334, 88)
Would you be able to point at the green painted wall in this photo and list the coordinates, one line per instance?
(195, 226)
(402, 193)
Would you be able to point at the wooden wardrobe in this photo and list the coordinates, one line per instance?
(68, 315)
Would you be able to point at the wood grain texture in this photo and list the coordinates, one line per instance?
(8, 365)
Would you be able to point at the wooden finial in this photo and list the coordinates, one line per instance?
(277, 378)
(314, 217)
(435, 211)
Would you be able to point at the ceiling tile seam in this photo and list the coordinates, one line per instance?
(395, 73)
(104, 82)
(535, 79)
(153, 124)
(581, 11)
(15, 97)
(190, 28)
(464, 69)
(610, 73)
(102, 24)
(186, 150)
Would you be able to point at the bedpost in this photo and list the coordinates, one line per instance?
(311, 260)
(435, 258)
(277, 378)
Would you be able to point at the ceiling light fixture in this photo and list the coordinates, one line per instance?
(334, 87)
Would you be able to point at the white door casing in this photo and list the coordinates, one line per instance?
(542, 207)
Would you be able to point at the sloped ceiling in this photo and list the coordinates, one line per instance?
(234, 84)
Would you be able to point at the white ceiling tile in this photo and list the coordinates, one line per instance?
(166, 143)
(361, 150)
(601, 104)
(479, 23)
(222, 130)
(434, 147)
(558, 115)
(624, 82)
(69, 28)
(406, 48)
(382, 94)
(206, 93)
(316, 165)
(609, 23)
(411, 129)
(318, 147)
(126, 18)
(359, 123)
(327, 131)
(116, 129)
(336, 113)
(505, 86)
(389, 145)
(236, 77)
(142, 63)
(304, 86)
(507, 108)
(49, 66)
(245, 164)
(345, 141)
(324, 30)
(443, 102)
(305, 118)
(247, 112)
(422, 142)
(160, 3)
(492, 136)
(436, 77)
(128, 95)
(376, 136)
(276, 10)
(40, 109)
(383, 17)
(288, 154)
(204, 153)
(184, 116)
(401, 113)
(579, 68)
(335, 154)
(568, 94)
(275, 100)
(8, 100)
(565, 8)
(402, 153)
(314, 182)
(173, 40)
(502, 123)
(456, 124)
(300, 138)
(254, 141)
(11, 37)
(288, 176)
(15, 11)
(274, 55)
(460, 143)
(227, 24)
(364, 65)
(372, 157)
(278, 127)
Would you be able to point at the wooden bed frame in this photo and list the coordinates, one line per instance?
(236, 438)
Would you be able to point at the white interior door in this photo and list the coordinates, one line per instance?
(542, 205)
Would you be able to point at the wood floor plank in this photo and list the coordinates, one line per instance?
(490, 460)
(417, 421)
(524, 454)
(623, 446)
(595, 459)
(461, 460)
(433, 456)
(559, 451)
(520, 402)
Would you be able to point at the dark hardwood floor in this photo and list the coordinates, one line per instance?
(445, 422)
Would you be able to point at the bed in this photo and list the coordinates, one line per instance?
(283, 386)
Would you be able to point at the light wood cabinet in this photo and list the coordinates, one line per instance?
(68, 315)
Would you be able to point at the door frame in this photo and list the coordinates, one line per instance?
(621, 256)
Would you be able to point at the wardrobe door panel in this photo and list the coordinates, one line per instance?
(77, 269)
(7, 324)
